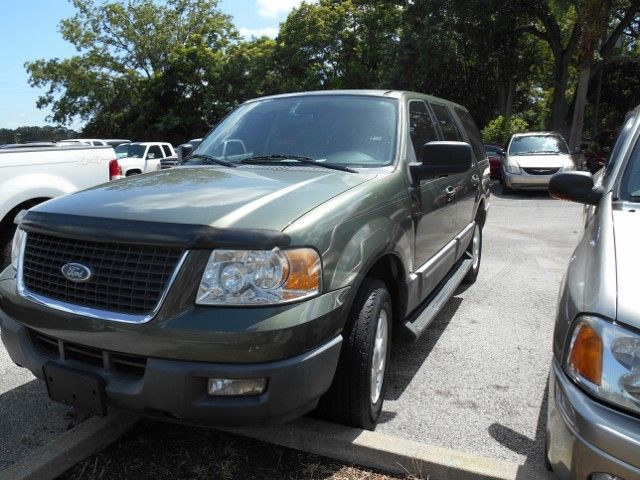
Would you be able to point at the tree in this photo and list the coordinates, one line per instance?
(338, 44)
(143, 68)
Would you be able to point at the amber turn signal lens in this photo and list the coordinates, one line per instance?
(586, 354)
(304, 270)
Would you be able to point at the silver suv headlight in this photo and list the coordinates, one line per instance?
(604, 359)
(512, 167)
(260, 277)
(16, 247)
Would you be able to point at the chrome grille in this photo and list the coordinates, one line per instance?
(541, 171)
(127, 279)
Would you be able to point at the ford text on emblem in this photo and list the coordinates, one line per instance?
(76, 272)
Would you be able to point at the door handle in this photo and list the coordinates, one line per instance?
(449, 191)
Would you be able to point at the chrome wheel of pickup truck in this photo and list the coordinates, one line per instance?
(357, 393)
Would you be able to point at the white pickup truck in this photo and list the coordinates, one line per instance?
(143, 157)
(29, 176)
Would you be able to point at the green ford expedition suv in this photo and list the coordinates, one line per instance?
(265, 275)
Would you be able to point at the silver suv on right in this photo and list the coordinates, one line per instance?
(593, 427)
(532, 158)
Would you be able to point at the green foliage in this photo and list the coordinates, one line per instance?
(170, 69)
(35, 134)
(499, 130)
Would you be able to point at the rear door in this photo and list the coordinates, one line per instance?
(153, 157)
(434, 215)
(465, 185)
(466, 207)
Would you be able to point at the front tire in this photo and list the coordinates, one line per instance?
(357, 393)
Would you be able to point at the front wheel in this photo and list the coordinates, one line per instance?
(357, 393)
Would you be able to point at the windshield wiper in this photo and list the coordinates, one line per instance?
(298, 158)
(210, 159)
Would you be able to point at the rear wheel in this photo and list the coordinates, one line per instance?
(357, 393)
(475, 250)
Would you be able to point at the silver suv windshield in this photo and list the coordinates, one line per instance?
(342, 130)
(538, 145)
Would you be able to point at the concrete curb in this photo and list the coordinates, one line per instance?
(63, 452)
(387, 453)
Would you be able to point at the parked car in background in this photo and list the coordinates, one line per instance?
(495, 154)
(114, 142)
(264, 276)
(531, 160)
(598, 150)
(593, 427)
(96, 142)
(185, 149)
(29, 176)
(143, 157)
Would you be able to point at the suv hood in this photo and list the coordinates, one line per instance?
(541, 161)
(626, 227)
(243, 197)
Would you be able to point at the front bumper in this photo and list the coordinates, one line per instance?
(525, 181)
(177, 389)
(586, 437)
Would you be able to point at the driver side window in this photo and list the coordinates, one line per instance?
(421, 127)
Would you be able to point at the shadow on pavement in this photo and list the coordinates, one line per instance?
(407, 358)
(532, 449)
(537, 195)
(29, 419)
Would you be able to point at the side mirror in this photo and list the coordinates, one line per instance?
(151, 156)
(184, 150)
(576, 151)
(575, 187)
(502, 153)
(442, 158)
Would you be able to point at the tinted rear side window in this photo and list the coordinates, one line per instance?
(421, 126)
(167, 150)
(473, 133)
(447, 124)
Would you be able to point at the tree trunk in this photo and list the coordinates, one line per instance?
(577, 123)
(595, 121)
(559, 102)
(511, 89)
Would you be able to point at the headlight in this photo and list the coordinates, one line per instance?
(604, 358)
(513, 168)
(569, 166)
(259, 277)
(16, 246)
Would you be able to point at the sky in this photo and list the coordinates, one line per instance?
(29, 31)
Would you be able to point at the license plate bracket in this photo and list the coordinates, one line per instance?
(75, 388)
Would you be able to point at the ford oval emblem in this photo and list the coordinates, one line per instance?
(76, 272)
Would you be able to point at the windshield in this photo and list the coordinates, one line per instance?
(538, 144)
(631, 181)
(344, 130)
(130, 150)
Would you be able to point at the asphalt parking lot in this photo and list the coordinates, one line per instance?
(476, 381)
